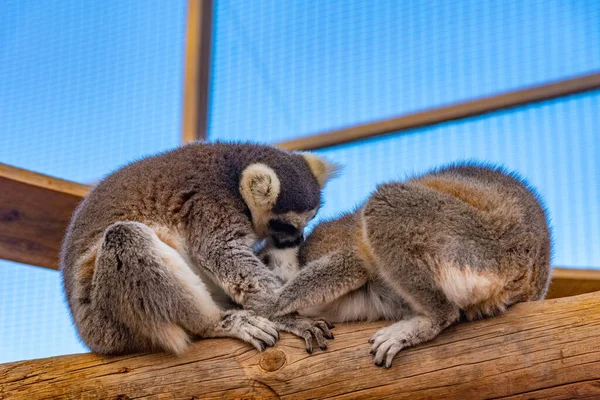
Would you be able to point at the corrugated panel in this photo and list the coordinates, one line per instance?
(89, 86)
(288, 68)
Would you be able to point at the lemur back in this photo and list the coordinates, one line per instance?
(465, 238)
(481, 232)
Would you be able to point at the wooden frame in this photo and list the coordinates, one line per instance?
(446, 113)
(197, 70)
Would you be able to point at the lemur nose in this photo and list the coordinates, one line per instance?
(284, 241)
(282, 227)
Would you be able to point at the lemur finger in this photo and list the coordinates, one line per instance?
(308, 341)
(258, 345)
(265, 325)
(329, 324)
(251, 330)
(322, 325)
(391, 353)
(382, 351)
(377, 341)
(266, 338)
(378, 336)
(318, 334)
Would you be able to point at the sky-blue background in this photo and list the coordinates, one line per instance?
(88, 86)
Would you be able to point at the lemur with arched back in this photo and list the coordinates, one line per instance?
(465, 238)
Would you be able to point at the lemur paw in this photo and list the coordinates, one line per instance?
(306, 328)
(246, 325)
(387, 342)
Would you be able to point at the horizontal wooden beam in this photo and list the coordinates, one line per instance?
(545, 349)
(570, 282)
(446, 113)
(35, 210)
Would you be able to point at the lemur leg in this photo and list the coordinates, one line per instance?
(405, 259)
(147, 287)
(320, 282)
(434, 312)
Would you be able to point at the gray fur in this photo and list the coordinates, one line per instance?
(466, 238)
(162, 249)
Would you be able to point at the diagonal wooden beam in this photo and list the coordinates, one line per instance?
(446, 113)
(197, 70)
(545, 349)
(35, 210)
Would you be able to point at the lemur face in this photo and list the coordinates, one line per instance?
(283, 199)
(287, 230)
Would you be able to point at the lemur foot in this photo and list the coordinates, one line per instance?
(387, 342)
(246, 325)
(306, 328)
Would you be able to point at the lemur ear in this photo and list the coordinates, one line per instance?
(321, 168)
(259, 186)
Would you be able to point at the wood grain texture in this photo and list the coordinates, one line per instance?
(546, 349)
(43, 181)
(571, 282)
(35, 210)
(197, 70)
(446, 113)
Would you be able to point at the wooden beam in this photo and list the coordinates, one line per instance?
(35, 210)
(446, 113)
(571, 282)
(197, 70)
(546, 349)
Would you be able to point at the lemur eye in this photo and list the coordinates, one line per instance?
(280, 226)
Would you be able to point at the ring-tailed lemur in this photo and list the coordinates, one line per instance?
(465, 238)
(157, 250)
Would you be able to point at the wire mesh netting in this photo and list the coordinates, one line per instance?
(288, 68)
(86, 87)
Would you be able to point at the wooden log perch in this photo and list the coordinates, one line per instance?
(545, 349)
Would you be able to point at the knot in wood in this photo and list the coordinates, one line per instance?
(272, 360)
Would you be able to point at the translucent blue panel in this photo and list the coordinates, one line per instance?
(287, 68)
(34, 320)
(87, 86)
(555, 145)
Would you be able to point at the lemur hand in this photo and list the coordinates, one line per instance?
(306, 328)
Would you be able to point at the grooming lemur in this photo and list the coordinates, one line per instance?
(157, 250)
(465, 238)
